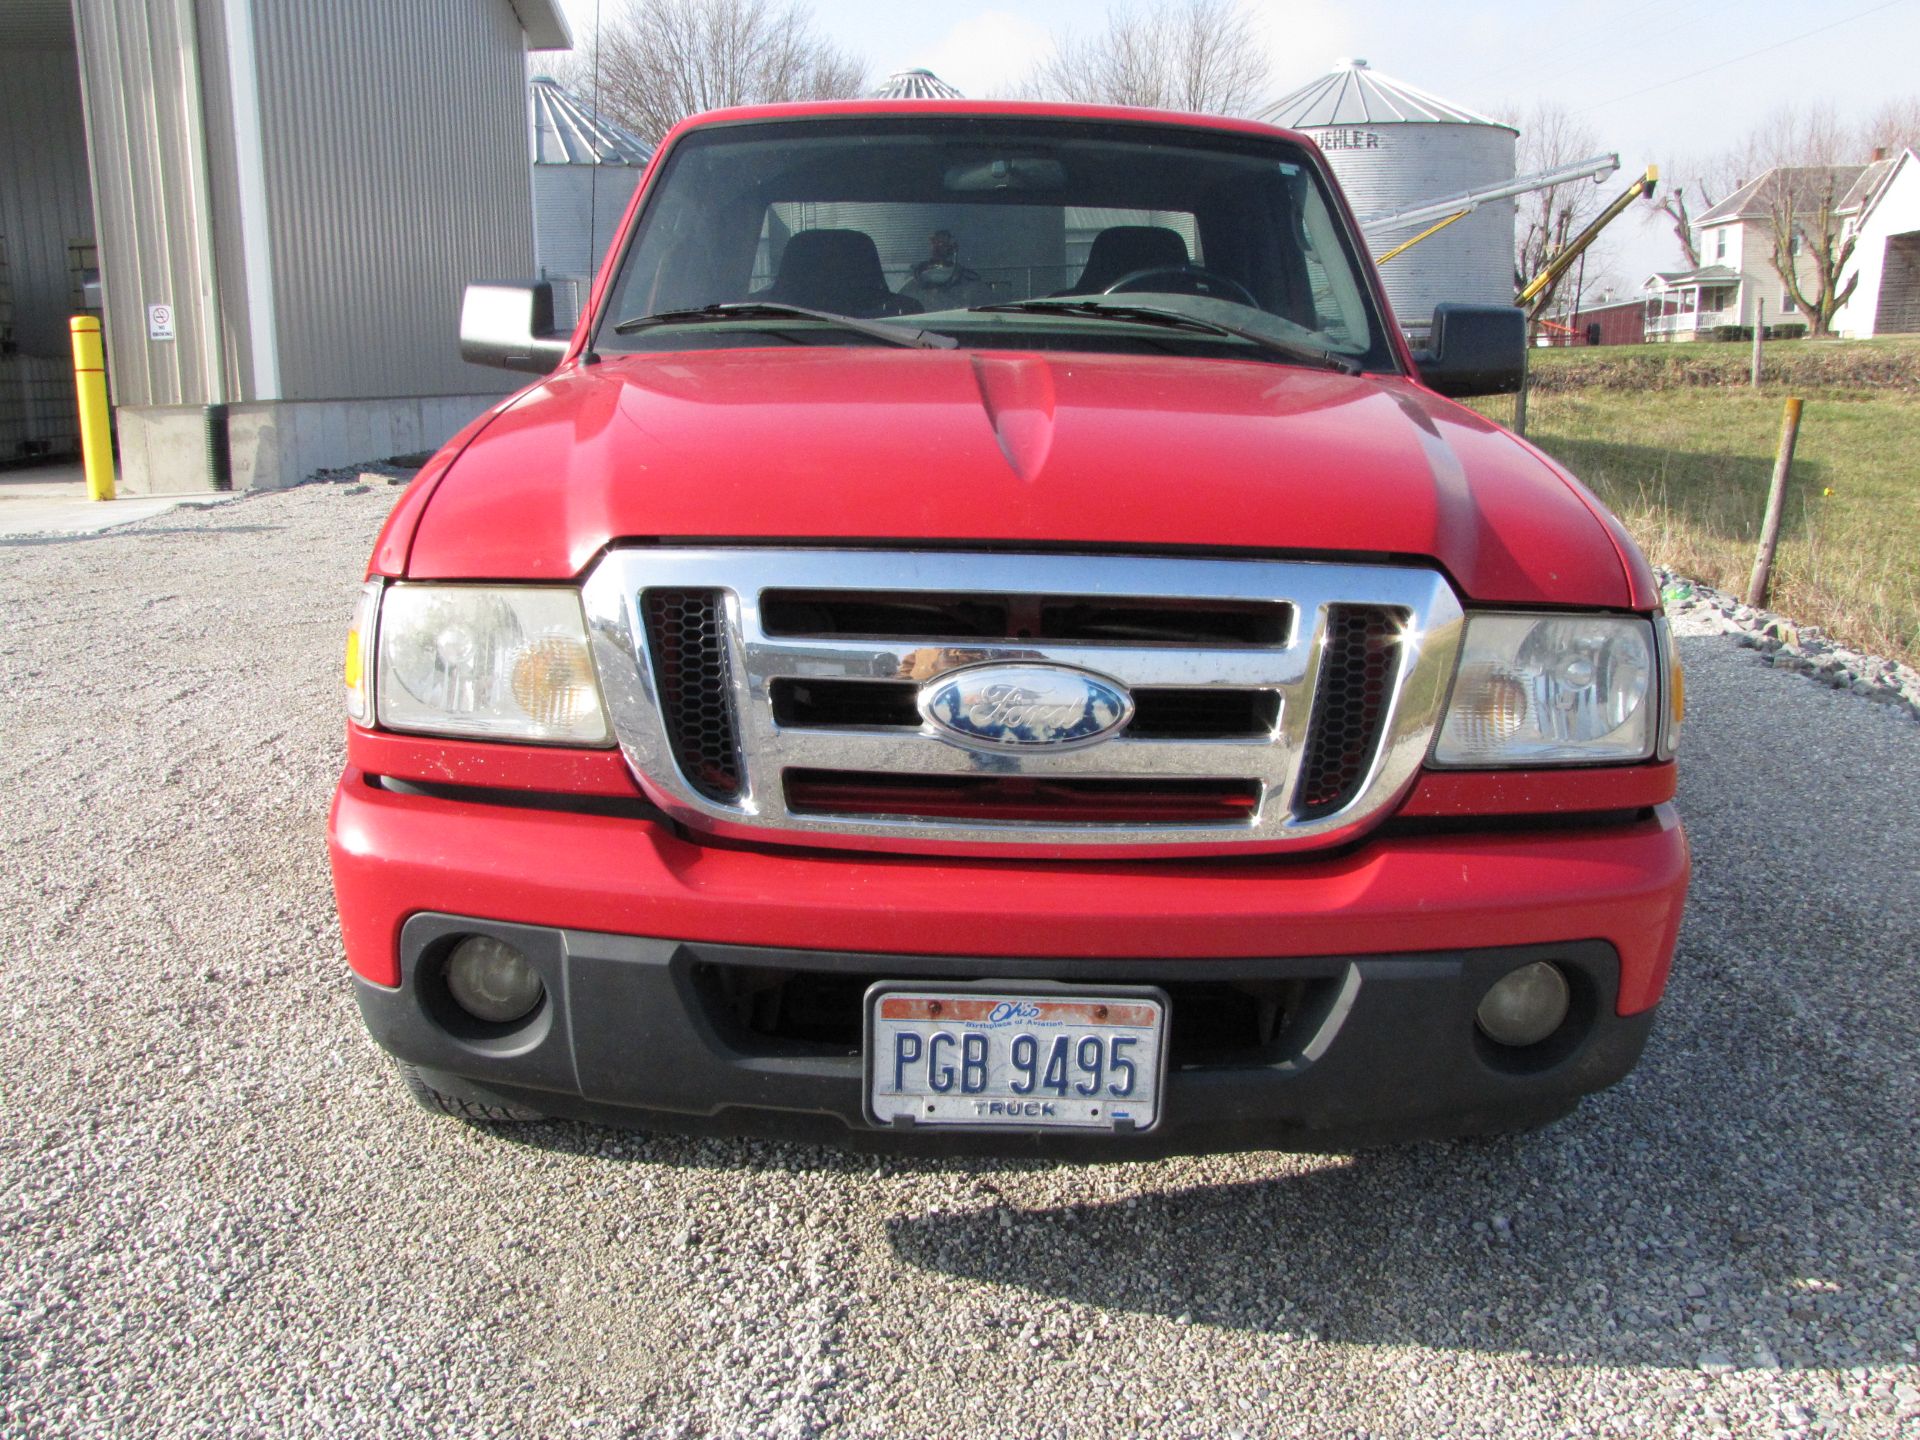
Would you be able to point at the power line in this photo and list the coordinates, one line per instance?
(1738, 59)
(1566, 44)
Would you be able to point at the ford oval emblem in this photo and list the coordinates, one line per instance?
(1024, 707)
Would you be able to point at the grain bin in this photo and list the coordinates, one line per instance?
(1394, 146)
(584, 171)
(915, 85)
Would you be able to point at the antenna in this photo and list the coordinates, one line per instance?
(593, 175)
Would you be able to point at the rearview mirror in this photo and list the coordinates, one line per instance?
(1012, 172)
(1474, 350)
(509, 323)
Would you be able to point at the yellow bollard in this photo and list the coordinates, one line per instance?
(90, 381)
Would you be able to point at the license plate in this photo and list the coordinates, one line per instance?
(1062, 1058)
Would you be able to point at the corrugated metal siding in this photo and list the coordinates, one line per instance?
(144, 197)
(1390, 167)
(576, 210)
(45, 203)
(397, 171)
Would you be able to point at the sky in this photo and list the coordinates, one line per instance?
(1656, 79)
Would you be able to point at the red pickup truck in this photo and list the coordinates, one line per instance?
(986, 637)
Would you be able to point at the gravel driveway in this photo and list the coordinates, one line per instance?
(219, 1214)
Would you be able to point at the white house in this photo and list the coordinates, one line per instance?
(1886, 255)
(1734, 239)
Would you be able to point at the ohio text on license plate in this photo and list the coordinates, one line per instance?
(1065, 1059)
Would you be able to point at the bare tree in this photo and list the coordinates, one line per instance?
(1812, 168)
(1196, 55)
(1545, 220)
(571, 70)
(1894, 127)
(1674, 204)
(661, 60)
(1692, 185)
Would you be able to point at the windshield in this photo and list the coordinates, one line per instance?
(967, 227)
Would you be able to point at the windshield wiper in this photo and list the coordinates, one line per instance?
(1179, 320)
(773, 310)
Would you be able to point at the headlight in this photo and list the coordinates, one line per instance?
(360, 654)
(1675, 710)
(506, 663)
(1547, 689)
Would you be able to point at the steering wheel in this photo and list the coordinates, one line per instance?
(1194, 280)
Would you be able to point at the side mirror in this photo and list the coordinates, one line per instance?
(1475, 350)
(509, 323)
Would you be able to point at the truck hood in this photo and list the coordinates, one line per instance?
(1007, 448)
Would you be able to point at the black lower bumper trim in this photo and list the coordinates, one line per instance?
(1369, 1049)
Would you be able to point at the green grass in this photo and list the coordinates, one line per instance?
(1687, 470)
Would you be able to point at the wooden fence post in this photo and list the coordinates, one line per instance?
(1520, 395)
(1759, 334)
(1776, 502)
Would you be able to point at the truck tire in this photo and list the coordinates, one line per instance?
(493, 1112)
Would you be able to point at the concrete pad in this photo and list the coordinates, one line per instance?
(52, 500)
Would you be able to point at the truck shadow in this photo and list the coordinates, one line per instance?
(1643, 1230)
(1637, 1232)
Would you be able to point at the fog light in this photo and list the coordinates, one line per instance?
(492, 981)
(1526, 1005)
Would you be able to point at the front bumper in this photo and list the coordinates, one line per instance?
(1385, 950)
(639, 1030)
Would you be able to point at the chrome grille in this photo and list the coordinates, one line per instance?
(686, 635)
(1277, 703)
(1359, 659)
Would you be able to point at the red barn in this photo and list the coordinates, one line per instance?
(1620, 322)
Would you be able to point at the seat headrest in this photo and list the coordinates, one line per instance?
(1120, 250)
(836, 270)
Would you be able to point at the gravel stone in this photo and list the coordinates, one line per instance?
(220, 1216)
(1697, 609)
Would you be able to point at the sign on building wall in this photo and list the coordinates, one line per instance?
(159, 322)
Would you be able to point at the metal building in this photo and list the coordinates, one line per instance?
(1394, 145)
(585, 168)
(287, 197)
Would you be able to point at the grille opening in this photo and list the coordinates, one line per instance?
(802, 703)
(1358, 664)
(1203, 713)
(1160, 713)
(873, 615)
(686, 636)
(1015, 799)
(1210, 1023)
(1167, 622)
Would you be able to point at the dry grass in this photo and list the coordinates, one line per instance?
(1808, 366)
(1687, 470)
